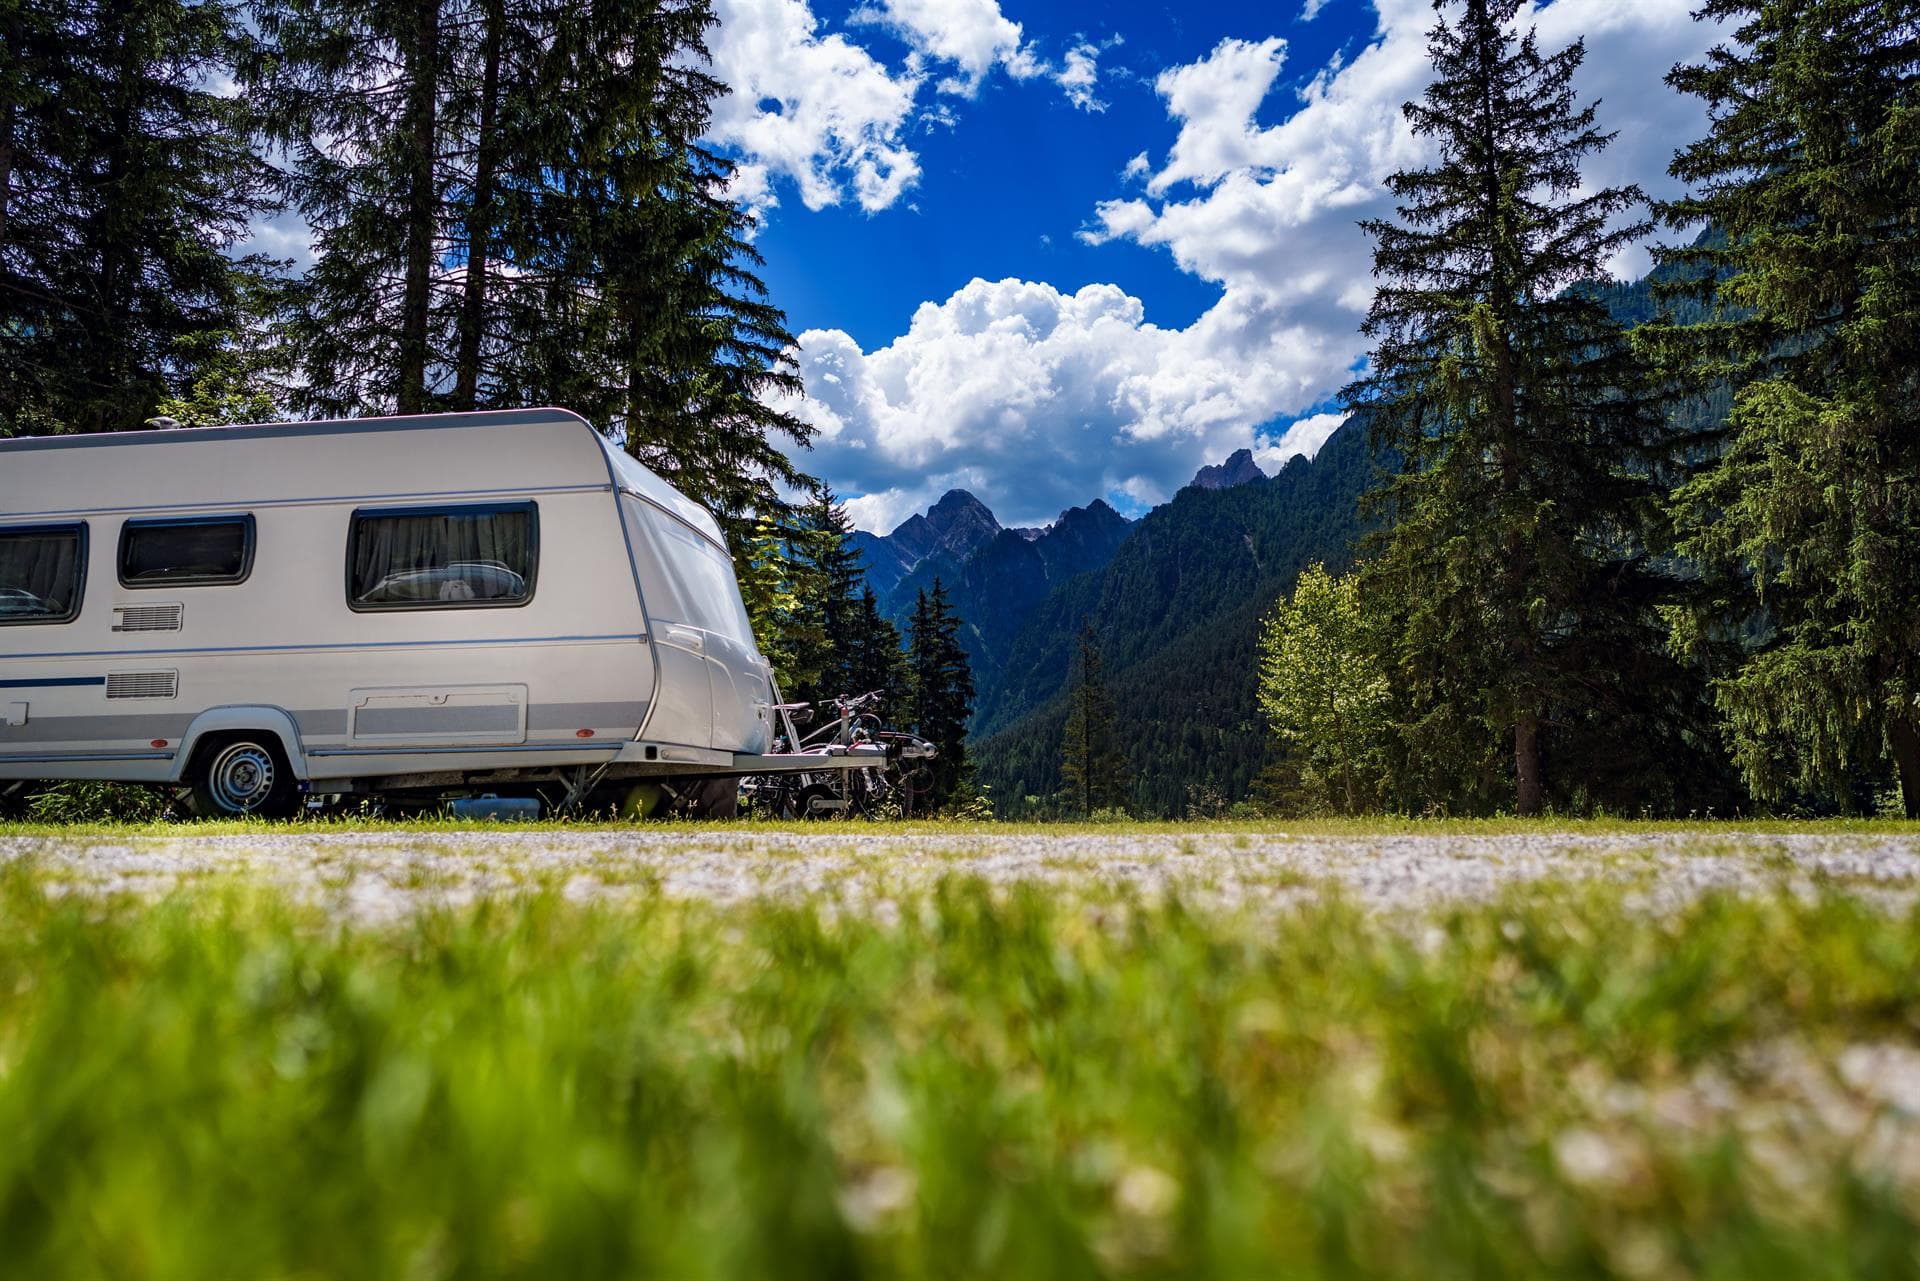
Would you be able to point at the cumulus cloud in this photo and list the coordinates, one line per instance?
(1302, 440)
(814, 109)
(1079, 77)
(818, 110)
(971, 35)
(1273, 208)
(1311, 10)
(1214, 101)
(1038, 399)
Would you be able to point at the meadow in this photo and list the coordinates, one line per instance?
(986, 1079)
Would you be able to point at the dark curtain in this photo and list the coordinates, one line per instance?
(443, 558)
(157, 553)
(39, 575)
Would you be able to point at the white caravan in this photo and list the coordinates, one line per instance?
(414, 606)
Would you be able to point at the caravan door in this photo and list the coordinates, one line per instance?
(742, 693)
(694, 608)
(683, 694)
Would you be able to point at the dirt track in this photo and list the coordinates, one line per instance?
(384, 875)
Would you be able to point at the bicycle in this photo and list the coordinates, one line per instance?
(891, 791)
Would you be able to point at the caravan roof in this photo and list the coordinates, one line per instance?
(263, 463)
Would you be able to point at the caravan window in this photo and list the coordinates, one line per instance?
(200, 552)
(695, 583)
(42, 571)
(443, 557)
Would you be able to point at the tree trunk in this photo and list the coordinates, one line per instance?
(1526, 766)
(1904, 732)
(480, 215)
(423, 68)
(6, 167)
(105, 331)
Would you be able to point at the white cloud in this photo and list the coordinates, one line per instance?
(815, 109)
(972, 35)
(1302, 439)
(1311, 10)
(1214, 101)
(1272, 209)
(1079, 76)
(1037, 400)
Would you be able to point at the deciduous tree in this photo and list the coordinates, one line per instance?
(1324, 689)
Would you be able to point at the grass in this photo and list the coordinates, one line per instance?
(1230, 828)
(986, 1082)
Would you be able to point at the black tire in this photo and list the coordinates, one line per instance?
(243, 776)
(13, 800)
(804, 798)
(715, 798)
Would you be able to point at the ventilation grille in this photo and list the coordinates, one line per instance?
(147, 618)
(143, 684)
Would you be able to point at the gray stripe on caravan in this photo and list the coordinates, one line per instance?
(391, 722)
(585, 715)
(97, 729)
(332, 723)
(322, 724)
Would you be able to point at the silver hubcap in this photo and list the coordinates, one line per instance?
(241, 778)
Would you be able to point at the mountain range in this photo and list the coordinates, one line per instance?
(1174, 598)
(995, 576)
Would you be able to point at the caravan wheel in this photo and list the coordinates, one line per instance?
(243, 777)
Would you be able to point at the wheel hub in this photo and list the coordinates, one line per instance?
(242, 778)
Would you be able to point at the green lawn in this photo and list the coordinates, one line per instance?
(1330, 827)
(982, 1082)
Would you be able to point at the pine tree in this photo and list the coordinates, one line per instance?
(354, 95)
(770, 575)
(124, 180)
(1093, 769)
(1523, 504)
(942, 696)
(651, 318)
(1812, 170)
(827, 580)
(873, 658)
(512, 205)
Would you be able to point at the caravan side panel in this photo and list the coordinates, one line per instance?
(567, 675)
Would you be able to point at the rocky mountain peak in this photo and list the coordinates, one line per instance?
(1239, 469)
(958, 505)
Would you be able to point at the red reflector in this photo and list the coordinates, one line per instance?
(583, 733)
(158, 742)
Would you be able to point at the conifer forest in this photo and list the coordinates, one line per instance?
(1643, 548)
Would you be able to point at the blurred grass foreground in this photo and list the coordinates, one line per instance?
(980, 1082)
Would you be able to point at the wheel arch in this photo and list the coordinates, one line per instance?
(243, 720)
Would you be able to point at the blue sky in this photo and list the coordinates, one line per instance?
(1056, 253)
(1006, 188)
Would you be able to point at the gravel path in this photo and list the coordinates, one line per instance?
(382, 876)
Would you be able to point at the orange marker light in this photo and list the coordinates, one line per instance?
(583, 733)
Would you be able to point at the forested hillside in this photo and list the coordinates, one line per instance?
(1000, 585)
(994, 576)
(1175, 614)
